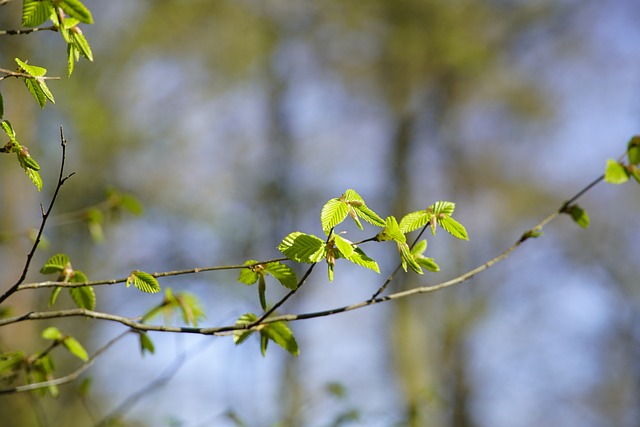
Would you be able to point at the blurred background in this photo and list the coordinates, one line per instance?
(234, 121)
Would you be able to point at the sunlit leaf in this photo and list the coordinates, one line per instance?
(280, 333)
(248, 276)
(240, 336)
(54, 295)
(344, 246)
(369, 215)
(408, 259)
(615, 173)
(146, 345)
(453, 227)
(55, 264)
(302, 247)
(84, 297)
(414, 220)
(358, 257)
(143, 281)
(391, 231)
(76, 9)
(75, 348)
(283, 274)
(579, 215)
(35, 12)
(52, 333)
(333, 213)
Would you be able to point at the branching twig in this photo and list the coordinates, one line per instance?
(10, 73)
(67, 378)
(45, 215)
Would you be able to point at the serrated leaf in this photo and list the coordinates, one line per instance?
(26, 161)
(190, 308)
(262, 293)
(36, 91)
(283, 274)
(34, 176)
(442, 208)
(52, 333)
(76, 9)
(280, 333)
(35, 12)
(615, 173)
(408, 259)
(579, 215)
(81, 44)
(143, 281)
(358, 257)
(414, 220)
(369, 215)
(419, 248)
(71, 59)
(8, 129)
(453, 227)
(146, 344)
(351, 196)
(344, 246)
(55, 264)
(75, 348)
(633, 150)
(84, 297)
(302, 247)
(428, 263)
(240, 336)
(54, 295)
(333, 213)
(32, 70)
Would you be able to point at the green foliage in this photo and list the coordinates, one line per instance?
(578, 215)
(350, 203)
(301, 247)
(633, 150)
(183, 303)
(615, 173)
(277, 332)
(83, 296)
(143, 281)
(25, 160)
(256, 272)
(438, 213)
(36, 84)
(36, 12)
(146, 345)
(54, 334)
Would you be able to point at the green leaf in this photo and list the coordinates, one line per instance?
(143, 281)
(453, 227)
(34, 176)
(146, 344)
(262, 293)
(80, 43)
(391, 231)
(11, 362)
(248, 275)
(333, 213)
(84, 297)
(442, 208)
(414, 220)
(615, 173)
(32, 70)
(52, 333)
(633, 150)
(358, 257)
(428, 263)
(302, 247)
(283, 274)
(280, 333)
(54, 295)
(26, 161)
(635, 172)
(369, 215)
(35, 12)
(8, 129)
(190, 307)
(408, 259)
(240, 336)
(36, 91)
(343, 245)
(579, 215)
(75, 348)
(55, 264)
(76, 9)
(72, 54)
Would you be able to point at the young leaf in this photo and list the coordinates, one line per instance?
(190, 307)
(262, 293)
(34, 176)
(368, 215)
(633, 150)
(146, 344)
(248, 275)
(358, 257)
(75, 348)
(408, 259)
(579, 215)
(428, 263)
(84, 297)
(442, 208)
(52, 333)
(239, 336)
(11, 362)
(80, 43)
(615, 173)
(8, 129)
(143, 281)
(76, 9)
(344, 246)
(55, 264)
(414, 220)
(453, 227)
(302, 247)
(280, 333)
(54, 295)
(35, 12)
(391, 231)
(333, 213)
(283, 274)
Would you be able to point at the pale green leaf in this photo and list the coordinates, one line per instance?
(143, 281)
(579, 215)
(369, 215)
(10, 361)
(615, 173)
(81, 44)
(32, 70)
(54, 295)
(35, 12)
(76, 9)
(408, 259)
(280, 333)
(358, 257)
(442, 208)
(71, 59)
(36, 91)
(428, 263)
(391, 231)
(344, 246)
(75, 348)
(55, 264)
(419, 248)
(414, 220)
(262, 293)
(633, 149)
(453, 227)
(240, 336)
(84, 297)
(302, 247)
(333, 213)
(52, 333)
(8, 129)
(190, 308)
(350, 196)
(34, 176)
(146, 344)
(283, 274)
(247, 275)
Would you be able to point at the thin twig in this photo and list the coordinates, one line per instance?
(45, 215)
(10, 73)
(26, 30)
(67, 378)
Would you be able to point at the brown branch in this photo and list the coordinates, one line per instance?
(26, 30)
(10, 73)
(45, 215)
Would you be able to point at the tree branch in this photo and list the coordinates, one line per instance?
(25, 30)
